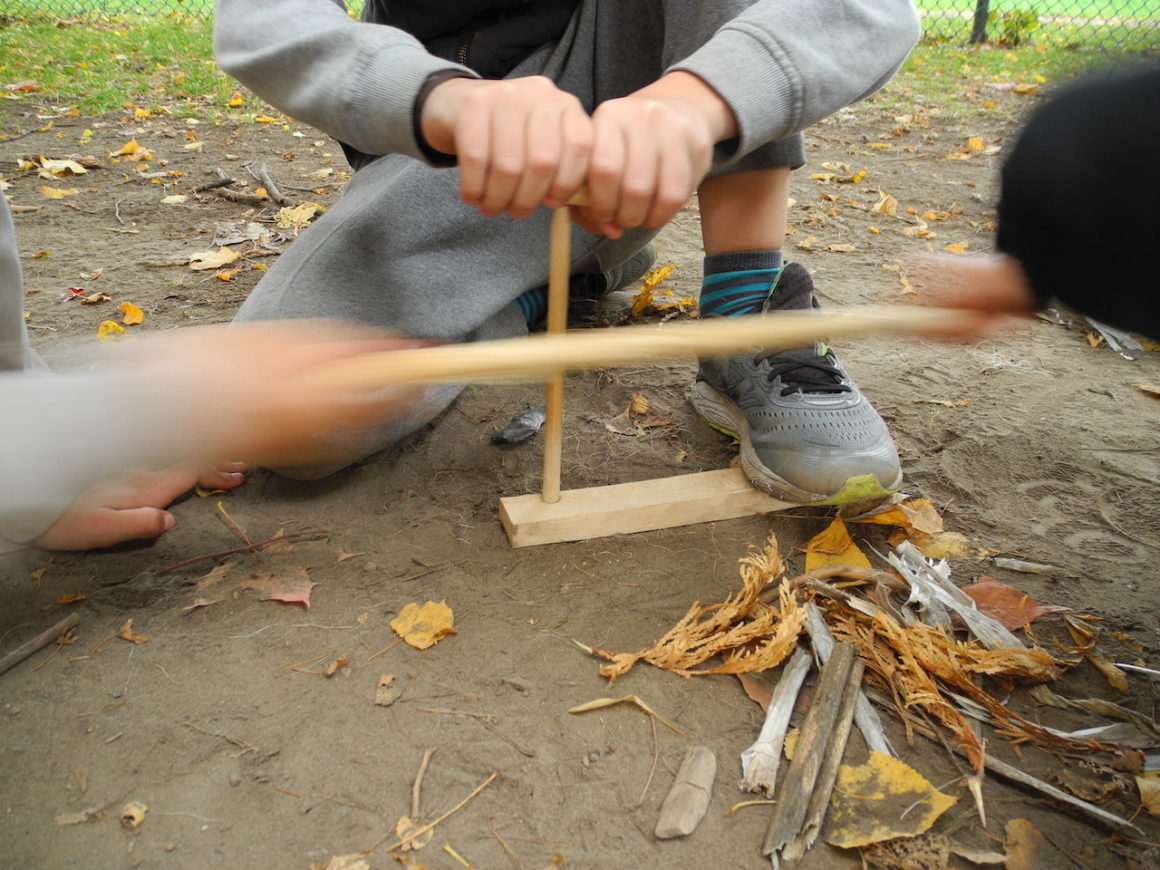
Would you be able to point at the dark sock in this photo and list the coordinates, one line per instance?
(738, 283)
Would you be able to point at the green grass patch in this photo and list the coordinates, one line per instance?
(946, 76)
(153, 62)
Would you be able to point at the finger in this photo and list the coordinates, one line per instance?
(638, 183)
(214, 478)
(543, 150)
(677, 178)
(605, 170)
(473, 147)
(576, 130)
(106, 527)
(508, 134)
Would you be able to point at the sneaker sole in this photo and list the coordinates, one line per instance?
(725, 417)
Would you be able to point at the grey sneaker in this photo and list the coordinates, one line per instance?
(631, 270)
(807, 434)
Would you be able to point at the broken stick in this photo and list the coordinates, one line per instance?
(819, 736)
(688, 799)
(39, 642)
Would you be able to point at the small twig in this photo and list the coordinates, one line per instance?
(418, 832)
(238, 196)
(389, 646)
(527, 753)
(223, 181)
(602, 579)
(241, 744)
(652, 770)
(263, 175)
(39, 642)
(415, 789)
(744, 804)
(515, 858)
(276, 539)
(457, 857)
(238, 530)
(457, 713)
(297, 665)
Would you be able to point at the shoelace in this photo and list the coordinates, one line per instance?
(808, 373)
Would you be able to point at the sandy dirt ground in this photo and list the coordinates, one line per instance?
(1033, 443)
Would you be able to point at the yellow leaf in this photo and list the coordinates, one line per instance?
(108, 330)
(917, 516)
(975, 143)
(235, 100)
(955, 249)
(881, 146)
(1154, 389)
(807, 244)
(223, 256)
(886, 205)
(297, 217)
(227, 275)
(193, 146)
(881, 800)
(175, 199)
(265, 119)
(834, 547)
(129, 148)
(126, 633)
(57, 192)
(422, 626)
(50, 168)
(131, 314)
(142, 114)
(841, 249)
(1149, 785)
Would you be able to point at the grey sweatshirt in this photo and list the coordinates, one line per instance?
(781, 65)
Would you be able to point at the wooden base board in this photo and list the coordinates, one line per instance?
(642, 506)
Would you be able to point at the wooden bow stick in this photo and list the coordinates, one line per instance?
(538, 357)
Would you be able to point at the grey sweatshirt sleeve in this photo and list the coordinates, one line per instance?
(355, 81)
(783, 65)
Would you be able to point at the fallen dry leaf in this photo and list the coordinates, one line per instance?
(57, 192)
(108, 330)
(406, 827)
(1012, 608)
(1027, 849)
(126, 633)
(131, 314)
(133, 814)
(1149, 785)
(881, 800)
(834, 546)
(387, 691)
(223, 256)
(601, 703)
(422, 626)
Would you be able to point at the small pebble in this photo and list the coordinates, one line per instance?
(235, 779)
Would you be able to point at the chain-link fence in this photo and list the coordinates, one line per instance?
(1118, 25)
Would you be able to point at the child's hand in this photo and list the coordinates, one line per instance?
(131, 509)
(994, 285)
(521, 142)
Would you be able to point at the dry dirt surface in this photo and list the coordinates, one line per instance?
(249, 727)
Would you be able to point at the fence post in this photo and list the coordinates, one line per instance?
(979, 28)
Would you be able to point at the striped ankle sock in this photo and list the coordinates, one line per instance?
(533, 305)
(738, 283)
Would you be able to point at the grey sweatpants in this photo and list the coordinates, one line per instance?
(402, 251)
